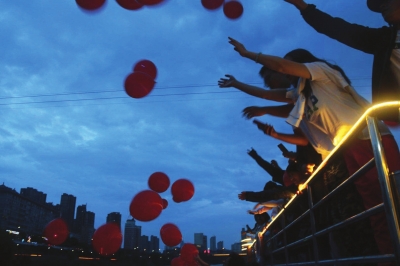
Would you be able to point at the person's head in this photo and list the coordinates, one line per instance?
(273, 79)
(234, 259)
(390, 9)
(304, 56)
(294, 172)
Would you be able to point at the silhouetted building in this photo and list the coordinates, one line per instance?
(213, 243)
(144, 244)
(204, 245)
(220, 245)
(114, 217)
(198, 239)
(87, 229)
(132, 234)
(236, 247)
(22, 214)
(67, 209)
(34, 195)
(80, 218)
(154, 244)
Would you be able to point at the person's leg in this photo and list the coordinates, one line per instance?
(368, 185)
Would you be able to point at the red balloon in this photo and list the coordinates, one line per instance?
(177, 262)
(159, 182)
(107, 239)
(146, 66)
(212, 4)
(130, 4)
(150, 2)
(165, 203)
(138, 84)
(170, 235)
(56, 231)
(188, 252)
(90, 5)
(146, 206)
(233, 9)
(182, 190)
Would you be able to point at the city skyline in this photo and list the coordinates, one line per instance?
(81, 215)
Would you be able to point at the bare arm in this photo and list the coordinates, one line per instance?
(300, 4)
(272, 62)
(278, 95)
(278, 111)
(296, 138)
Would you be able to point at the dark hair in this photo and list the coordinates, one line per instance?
(304, 56)
(293, 167)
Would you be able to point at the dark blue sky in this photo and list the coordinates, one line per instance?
(68, 126)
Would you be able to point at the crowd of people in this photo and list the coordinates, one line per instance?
(321, 106)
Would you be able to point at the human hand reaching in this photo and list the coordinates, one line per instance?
(238, 47)
(230, 81)
(253, 111)
(242, 195)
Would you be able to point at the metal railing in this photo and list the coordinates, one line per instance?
(302, 237)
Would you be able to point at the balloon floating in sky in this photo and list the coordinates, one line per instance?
(107, 239)
(150, 2)
(212, 4)
(233, 9)
(159, 182)
(188, 252)
(56, 231)
(170, 235)
(130, 4)
(146, 66)
(182, 190)
(178, 261)
(138, 84)
(165, 203)
(146, 206)
(90, 5)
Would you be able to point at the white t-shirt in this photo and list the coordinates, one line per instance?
(330, 111)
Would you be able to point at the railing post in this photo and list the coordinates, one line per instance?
(388, 192)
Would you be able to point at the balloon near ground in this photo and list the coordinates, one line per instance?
(182, 190)
(146, 206)
(178, 261)
(170, 235)
(159, 182)
(56, 231)
(107, 239)
(138, 84)
(188, 252)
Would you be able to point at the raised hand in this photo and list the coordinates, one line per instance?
(242, 195)
(230, 81)
(252, 111)
(238, 47)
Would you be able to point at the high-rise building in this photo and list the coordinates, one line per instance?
(67, 209)
(33, 194)
(144, 244)
(213, 243)
(198, 240)
(80, 218)
(236, 247)
(114, 217)
(204, 244)
(132, 234)
(154, 244)
(22, 214)
(220, 245)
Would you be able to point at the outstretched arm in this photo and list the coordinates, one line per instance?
(296, 138)
(278, 111)
(272, 62)
(278, 95)
(300, 4)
